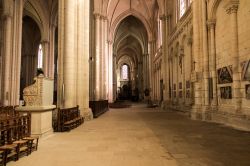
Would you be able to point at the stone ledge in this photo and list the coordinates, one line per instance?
(36, 108)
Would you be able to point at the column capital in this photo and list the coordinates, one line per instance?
(6, 16)
(44, 41)
(163, 17)
(232, 6)
(110, 42)
(97, 16)
(211, 24)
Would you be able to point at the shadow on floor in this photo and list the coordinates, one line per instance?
(199, 143)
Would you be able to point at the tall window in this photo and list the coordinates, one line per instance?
(159, 25)
(182, 7)
(40, 57)
(124, 72)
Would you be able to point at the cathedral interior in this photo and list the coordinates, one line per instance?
(132, 82)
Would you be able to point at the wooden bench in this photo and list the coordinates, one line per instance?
(69, 118)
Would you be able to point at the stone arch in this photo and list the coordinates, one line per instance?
(121, 17)
(214, 8)
(35, 11)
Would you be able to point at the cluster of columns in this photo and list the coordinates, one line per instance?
(73, 76)
(205, 48)
(11, 49)
(103, 58)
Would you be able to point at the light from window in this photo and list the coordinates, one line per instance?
(182, 7)
(40, 57)
(124, 72)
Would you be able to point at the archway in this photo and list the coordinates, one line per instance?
(130, 48)
(31, 48)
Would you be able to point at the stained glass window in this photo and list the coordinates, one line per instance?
(124, 72)
(40, 57)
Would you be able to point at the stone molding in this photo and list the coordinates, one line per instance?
(232, 6)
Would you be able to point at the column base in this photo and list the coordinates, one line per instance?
(87, 114)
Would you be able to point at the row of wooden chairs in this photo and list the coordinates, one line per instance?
(69, 118)
(7, 112)
(15, 139)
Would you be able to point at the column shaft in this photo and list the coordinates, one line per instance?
(69, 58)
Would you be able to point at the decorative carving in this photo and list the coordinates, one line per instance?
(33, 94)
(232, 6)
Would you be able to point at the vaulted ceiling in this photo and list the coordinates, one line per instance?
(130, 39)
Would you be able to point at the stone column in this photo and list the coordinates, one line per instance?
(211, 26)
(46, 58)
(102, 63)
(7, 59)
(114, 78)
(18, 49)
(106, 59)
(196, 110)
(232, 8)
(205, 55)
(97, 58)
(83, 59)
(151, 70)
(182, 56)
(69, 55)
(110, 73)
(51, 60)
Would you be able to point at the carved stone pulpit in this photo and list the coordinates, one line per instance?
(38, 99)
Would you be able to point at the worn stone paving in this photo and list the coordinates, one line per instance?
(140, 136)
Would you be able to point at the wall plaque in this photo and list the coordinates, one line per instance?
(248, 91)
(225, 75)
(245, 70)
(226, 92)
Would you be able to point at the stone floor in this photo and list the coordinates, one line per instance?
(140, 136)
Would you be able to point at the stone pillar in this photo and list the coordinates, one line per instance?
(83, 59)
(232, 8)
(18, 49)
(182, 57)
(101, 43)
(205, 55)
(69, 55)
(51, 60)
(46, 57)
(106, 59)
(97, 58)
(7, 59)
(114, 78)
(151, 70)
(110, 73)
(165, 65)
(144, 71)
(196, 74)
(177, 74)
(211, 26)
